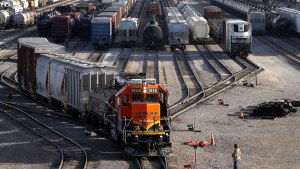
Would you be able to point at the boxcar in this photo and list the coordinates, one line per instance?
(29, 49)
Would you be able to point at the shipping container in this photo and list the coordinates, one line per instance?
(29, 49)
(101, 32)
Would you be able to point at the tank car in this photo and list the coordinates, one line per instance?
(5, 19)
(152, 35)
(128, 31)
(24, 19)
(293, 16)
(277, 24)
(199, 29)
(237, 37)
(136, 116)
(44, 23)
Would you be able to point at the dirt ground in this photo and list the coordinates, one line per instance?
(264, 143)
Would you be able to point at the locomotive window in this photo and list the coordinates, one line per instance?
(236, 28)
(125, 99)
(137, 98)
(151, 97)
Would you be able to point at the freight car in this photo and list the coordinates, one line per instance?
(293, 16)
(5, 19)
(101, 32)
(178, 29)
(199, 29)
(128, 31)
(136, 116)
(277, 24)
(213, 15)
(237, 37)
(29, 49)
(84, 27)
(245, 12)
(44, 23)
(63, 27)
(63, 80)
(24, 19)
(152, 34)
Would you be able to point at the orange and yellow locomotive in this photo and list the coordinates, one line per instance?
(136, 116)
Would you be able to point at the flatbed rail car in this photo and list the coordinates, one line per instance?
(136, 116)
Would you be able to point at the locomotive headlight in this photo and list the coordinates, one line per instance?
(167, 134)
(128, 134)
(145, 91)
(136, 136)
(161, 136)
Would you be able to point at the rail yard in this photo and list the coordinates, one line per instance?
(149, 84)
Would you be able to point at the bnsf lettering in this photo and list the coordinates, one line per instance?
(146, 113)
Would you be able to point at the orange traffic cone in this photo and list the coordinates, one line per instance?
(212, 140)
(241, 114)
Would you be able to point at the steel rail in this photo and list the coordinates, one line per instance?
(49, 128)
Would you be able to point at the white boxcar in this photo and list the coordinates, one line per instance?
(198, 26)
(293, 16)
(237, 37)
(178, 29)
(128, 31)
(71, 80)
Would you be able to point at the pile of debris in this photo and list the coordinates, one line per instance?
(277, 107)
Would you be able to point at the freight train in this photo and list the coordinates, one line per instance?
(246, 12)
(199, 29)
(134, 112)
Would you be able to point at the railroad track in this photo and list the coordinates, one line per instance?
(152, 65)
(136, 62)
(72, 155)
(151, 162)
(284, 52)
(195, 90)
